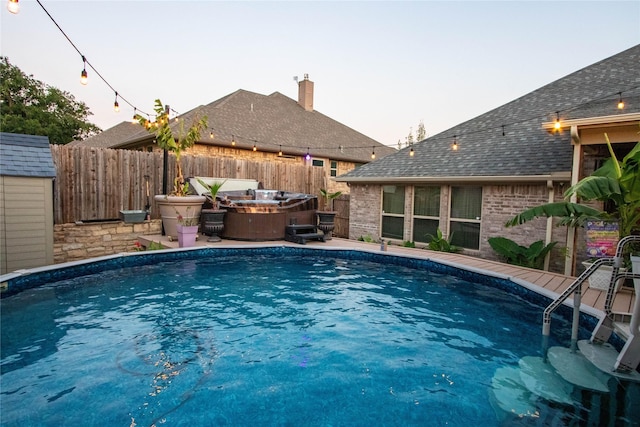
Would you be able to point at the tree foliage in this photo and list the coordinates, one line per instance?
(174, 138)
(29, 106)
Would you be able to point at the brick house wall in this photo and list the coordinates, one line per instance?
(500, 203)
(365, 211)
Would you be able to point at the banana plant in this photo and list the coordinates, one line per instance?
(515, 254)
(615, 182)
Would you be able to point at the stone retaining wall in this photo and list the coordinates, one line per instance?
(77, 241)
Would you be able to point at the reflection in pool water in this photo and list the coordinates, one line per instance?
(273, 337)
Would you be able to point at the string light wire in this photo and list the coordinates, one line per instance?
(85, 59)
(137, 111)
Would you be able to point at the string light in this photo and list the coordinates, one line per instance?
(116, 106)
(280, 152)
(135, 116)
(83, 74)
(454, 147)
(307, 156)
(373, 153)
(233, 141)
(13, 6)
(411, 152)
(211, 134)
(254, 146)
(620, 101)
(557, 126)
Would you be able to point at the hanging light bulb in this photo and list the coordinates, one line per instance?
(620, 102)
(13, 6)
(307, 157)
(280, 152)
(373, 153)
(83, 74)
(454, 147)
(411, 152)
(134, 120)
(233, 141)
(116, 106)
(557, 125)
(254, 147)
(211, 134)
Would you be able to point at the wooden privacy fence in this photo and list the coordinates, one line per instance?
(94, 184)
(341, 206)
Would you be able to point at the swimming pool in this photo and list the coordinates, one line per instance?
(272, 336)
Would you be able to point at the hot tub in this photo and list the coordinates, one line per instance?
(265, 214)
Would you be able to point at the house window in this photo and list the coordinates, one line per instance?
(334, 168)
(426, 212)
(393, 211)
(319, 163)
(466, 206)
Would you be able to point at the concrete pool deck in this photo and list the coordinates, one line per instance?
(544, 282)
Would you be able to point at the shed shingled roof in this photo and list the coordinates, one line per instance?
(271, 122)
(525, 149)
(25, 156)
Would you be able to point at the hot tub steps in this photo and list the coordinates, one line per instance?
(301, 233)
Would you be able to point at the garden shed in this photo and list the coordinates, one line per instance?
(26, 202)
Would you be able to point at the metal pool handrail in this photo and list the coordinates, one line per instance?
(576, 289)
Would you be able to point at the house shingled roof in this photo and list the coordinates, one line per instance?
(112, 136)
(526, 149)
(25, 156)
(271, 122)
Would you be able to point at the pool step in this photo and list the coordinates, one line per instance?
(562, 378)
(542, 380)
(603, 357)
(509, 394)
(577, 370)
(301, 233)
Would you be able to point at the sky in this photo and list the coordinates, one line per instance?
(379, 67)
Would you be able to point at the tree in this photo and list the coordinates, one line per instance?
(421, 133)
(31, 107)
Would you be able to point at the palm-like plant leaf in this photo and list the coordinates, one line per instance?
(572, 214)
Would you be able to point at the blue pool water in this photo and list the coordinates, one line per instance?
(271, 338)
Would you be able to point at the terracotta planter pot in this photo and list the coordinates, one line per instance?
(172, 206)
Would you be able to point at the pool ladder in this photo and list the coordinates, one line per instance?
(601, 354)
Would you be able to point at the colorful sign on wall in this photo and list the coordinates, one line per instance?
(602, 238)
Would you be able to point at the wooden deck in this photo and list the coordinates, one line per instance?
(551, 284)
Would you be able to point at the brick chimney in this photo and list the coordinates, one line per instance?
(305, 93)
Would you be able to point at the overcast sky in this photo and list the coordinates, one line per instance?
(378, 67)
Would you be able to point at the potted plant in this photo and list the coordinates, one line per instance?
(615, 183)
(187, 228)
(175, 141)
(326, 218)
(212, 219)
